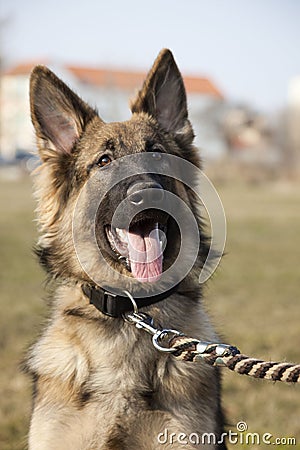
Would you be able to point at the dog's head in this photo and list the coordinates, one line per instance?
(79, 151)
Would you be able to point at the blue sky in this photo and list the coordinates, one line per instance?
(249, 48)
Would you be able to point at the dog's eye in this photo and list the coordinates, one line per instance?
(104, 161)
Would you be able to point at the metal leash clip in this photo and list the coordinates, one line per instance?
(145, 322)
(220, 349)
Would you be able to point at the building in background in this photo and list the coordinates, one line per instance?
(15, 127)
(106, 89)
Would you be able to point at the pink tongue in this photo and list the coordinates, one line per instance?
(145, 254)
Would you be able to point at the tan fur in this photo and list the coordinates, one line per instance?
(118, 363)
(99, 383)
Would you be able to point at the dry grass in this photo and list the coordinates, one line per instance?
(20, 308)
(253, 298)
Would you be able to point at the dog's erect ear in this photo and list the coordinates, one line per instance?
(59, 116)
(163, 96)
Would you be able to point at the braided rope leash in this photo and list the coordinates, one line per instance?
(185, 348)
(188, 349)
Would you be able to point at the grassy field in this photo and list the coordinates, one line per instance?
(253, 298)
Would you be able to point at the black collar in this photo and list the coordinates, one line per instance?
(116, 305)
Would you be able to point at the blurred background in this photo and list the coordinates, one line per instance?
(241, 66)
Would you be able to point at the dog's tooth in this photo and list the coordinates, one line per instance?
(109, 232)
(122, 234)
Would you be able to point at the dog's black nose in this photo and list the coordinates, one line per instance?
(141, 192)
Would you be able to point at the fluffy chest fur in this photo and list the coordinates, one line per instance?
(107, 375)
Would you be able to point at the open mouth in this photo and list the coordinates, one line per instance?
(140, 248)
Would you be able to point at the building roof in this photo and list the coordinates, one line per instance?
(24, 68)
(122, 79)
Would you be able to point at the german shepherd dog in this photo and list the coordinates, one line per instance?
(98, 381)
